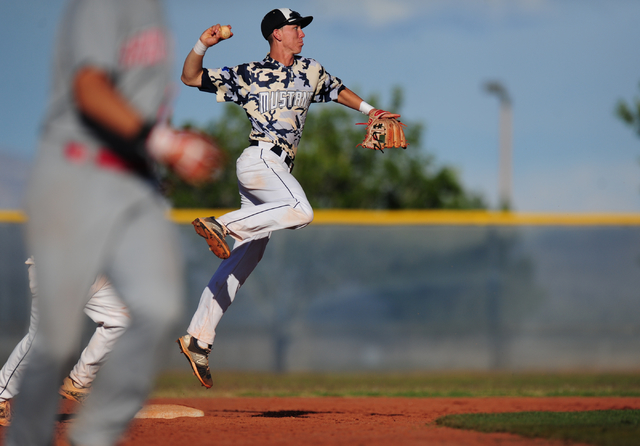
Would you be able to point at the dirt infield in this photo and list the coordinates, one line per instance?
(338, 421)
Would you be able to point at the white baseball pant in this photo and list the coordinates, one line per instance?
(104, 307)
(271, 199)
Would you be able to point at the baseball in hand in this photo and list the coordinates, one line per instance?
(225, 32)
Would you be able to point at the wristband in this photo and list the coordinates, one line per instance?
(143, 133)
(365, 108)
(200, 48)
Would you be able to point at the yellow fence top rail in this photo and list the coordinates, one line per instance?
(416, 217)
(12, 216)
(426, 217)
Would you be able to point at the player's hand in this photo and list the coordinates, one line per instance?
(194, 156)
(383, 114)
(215, 34)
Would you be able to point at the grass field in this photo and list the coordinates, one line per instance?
(426, 384)
(595, 427)
(598, 427)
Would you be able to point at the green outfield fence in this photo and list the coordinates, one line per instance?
(410, 290)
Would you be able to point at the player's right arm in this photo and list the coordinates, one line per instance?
(97, 98)
(192, 68)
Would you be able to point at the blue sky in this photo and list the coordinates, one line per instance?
(565, 64)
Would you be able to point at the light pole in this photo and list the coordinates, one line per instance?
(504, 167)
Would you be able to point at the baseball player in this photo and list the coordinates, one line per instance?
(276, 94)
(94, 208)
(111, 316)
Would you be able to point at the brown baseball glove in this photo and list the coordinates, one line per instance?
(383, 133)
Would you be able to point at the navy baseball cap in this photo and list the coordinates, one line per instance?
(280, 17)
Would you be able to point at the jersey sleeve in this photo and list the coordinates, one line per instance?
(94, 35)
(328, 87)
(226, 84)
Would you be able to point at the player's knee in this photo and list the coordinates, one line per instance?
(309, 215)
(305, 214)
(117, 319)
(121, 321)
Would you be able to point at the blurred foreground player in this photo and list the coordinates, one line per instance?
(94, 208)
(111, 316)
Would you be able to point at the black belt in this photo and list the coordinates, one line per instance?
(278, 151)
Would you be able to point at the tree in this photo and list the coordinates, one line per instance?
(231, 132)
(630, 113)
(333, 171)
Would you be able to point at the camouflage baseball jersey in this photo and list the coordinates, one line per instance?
(275, 97)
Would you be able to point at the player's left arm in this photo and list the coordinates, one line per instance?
(349, 99)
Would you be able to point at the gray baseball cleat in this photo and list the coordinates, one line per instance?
(214, 233)
(72, 392)
(198, 359)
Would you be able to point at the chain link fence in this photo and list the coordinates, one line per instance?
(350, 297)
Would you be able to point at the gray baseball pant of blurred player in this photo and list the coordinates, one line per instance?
(113, 224)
